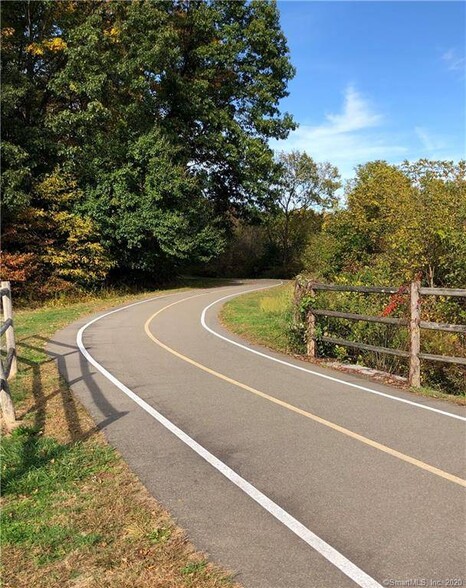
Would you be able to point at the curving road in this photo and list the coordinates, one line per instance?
(291, 475)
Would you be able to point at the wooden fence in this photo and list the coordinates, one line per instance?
(8, 363)
(414, 323)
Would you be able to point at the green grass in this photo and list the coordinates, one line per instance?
(261, 317)
(33, 464)
(194, 568)
(34, 470)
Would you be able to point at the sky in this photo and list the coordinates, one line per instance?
(376, 80)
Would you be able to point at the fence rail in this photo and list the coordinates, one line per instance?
(8, 363)
(414, 323)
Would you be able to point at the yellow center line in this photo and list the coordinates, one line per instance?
(393, 452)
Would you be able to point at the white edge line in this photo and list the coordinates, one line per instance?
(327, 551)
(309, 371)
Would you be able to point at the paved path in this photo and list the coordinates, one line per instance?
(290, 477)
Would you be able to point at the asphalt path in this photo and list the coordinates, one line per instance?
(290, 474)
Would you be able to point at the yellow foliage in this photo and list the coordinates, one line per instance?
(35, 49)
(76, 255)
(113, 33)
(54, 45)
(58, 190)
(71, 247)
(8, 32)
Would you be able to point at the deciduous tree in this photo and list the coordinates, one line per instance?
(303, 185)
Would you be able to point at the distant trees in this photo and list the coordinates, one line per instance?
(398, 222)
(154, 115)
(303, 189)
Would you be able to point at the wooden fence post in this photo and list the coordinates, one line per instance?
(311, 328)
(10, 333)
(6, 403)
(415, 335)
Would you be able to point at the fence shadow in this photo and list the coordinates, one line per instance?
(42, 397)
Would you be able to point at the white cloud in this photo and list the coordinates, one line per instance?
(346, 139)
(454, 61)
(356, 115)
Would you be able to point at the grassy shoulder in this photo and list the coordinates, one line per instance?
(73, 514)
(261, 317)
(264, 318)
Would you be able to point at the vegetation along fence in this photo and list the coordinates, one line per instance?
(414, 323)
(8, 363)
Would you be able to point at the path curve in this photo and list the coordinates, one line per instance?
(291, 475)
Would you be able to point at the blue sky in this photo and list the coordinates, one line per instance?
(376, 80)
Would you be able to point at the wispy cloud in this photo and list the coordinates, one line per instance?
(347, 138)
(430, 143)
(454, 61)
(357, 114)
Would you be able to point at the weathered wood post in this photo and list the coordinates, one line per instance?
(10, 332)
(311, 326)
(6, 403)
(415, 335)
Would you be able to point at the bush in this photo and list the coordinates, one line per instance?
(446, 377)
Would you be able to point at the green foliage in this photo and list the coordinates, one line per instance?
(399, 222)
(245, 254)
(157, 114)
(320, 254)
(303, 186)
(303, 183)
(149, 212)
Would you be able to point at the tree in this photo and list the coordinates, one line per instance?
(150, 215)
(399, 221)
(440, 193)
(304, 186)
(159, 112)
(55, 248)
(379, 203)
(220, 95)
(32, 53)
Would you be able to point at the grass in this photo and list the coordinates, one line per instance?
(261, 317)
(439, 395)
(264, 318)
(73, 514)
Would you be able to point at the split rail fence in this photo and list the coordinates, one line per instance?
(8, 361)
(414, 323)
